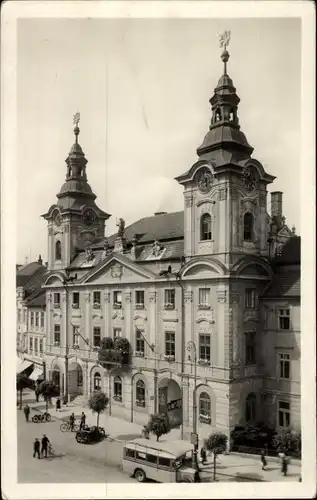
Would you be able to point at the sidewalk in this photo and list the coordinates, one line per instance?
(231, 467)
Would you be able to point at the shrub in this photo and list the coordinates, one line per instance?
(158, 425)
(288, 440)
(98, 402)
(22, 382)
(121, 344)
(48, 391)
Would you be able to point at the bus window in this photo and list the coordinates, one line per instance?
(140, 455)
(164, 461)
(129, 453)
(151, 458)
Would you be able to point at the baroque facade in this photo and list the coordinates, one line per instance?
(208, 297)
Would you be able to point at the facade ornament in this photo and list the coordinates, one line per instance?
(116, 271)
(222, 296)
(250, 316)
(105, 251)
(204, 179)
(189, 201)
(50, 231)
(222, 194)
(49, 297)
(90, 258)
(87, 297)
(157, 248)
(107, 297)
(152, 296)
(235, 297)
(188, 296)
(128, 297)
(114, 315)
(121, 226)
(66, 228)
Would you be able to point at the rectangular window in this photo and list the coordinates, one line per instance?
(41, 345)
(152, 459)
(284, 319)
(170, 344)
(169, 298)
(204, 347)
(129, 453)
(117, 300)
(97, 336)
(35, 346)
(116, 332)
(96, 300)
(164, 461)
(75, 303)
(204, 297)
(57, 334)
(250, 348)
(139, 343)
(139, 299)
(32, 319)
(42, 320)
(249, 298)
(57, 300)
(37, 320)
(284, 414)
(284, 365)
(31, 344)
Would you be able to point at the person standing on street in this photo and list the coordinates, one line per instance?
(58, 404)
(284, 465)
(36, 448)
(263, 460)
(45, 442)
(203, 455)
(26, 410)
(72, 421)
(82, 421)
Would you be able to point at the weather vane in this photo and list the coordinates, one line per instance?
(224, 39)
(76, 119)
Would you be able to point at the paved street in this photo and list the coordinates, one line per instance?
(75, 463)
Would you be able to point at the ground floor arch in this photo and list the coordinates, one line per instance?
(170, 400)
(75, 379)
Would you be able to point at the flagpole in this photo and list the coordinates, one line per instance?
(106, 138)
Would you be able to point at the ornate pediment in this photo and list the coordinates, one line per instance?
(115, 270)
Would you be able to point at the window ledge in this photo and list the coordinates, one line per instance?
(117, 306)
(117, 398)
(169, 358)
(139, 354)
(140, 403)
(139, 306)
(96, 305)
(75, 306)
(169, 306)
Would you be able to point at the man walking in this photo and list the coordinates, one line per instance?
(45, 442)
(26, 410)
(82, 421)
(284, 465)
(263, 460)
(72, 421)
(36, 448)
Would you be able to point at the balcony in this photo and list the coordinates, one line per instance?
(139, 306)
(204, 362)
(169, 357)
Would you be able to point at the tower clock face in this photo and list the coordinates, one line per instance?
(249, 180)
(58, 219)
(89, 216)
(204, 179)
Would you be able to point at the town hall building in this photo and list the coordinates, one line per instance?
(207, 298)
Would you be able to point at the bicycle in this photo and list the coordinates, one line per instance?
(41, 417)
(66, 427)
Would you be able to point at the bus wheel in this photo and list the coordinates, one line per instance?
(139, 475)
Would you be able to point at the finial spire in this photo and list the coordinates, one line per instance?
(76, 119)
(224, 40)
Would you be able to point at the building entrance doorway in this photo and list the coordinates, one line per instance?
(170, 401)
(56, 378)
(75, 379)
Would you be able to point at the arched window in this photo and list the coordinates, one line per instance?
(231, 115)
(140, 393)
(205, 227)
(250, 407)
(247, 226)
(97, 382)
(204, 408)
(58, 250)
(218, 115)
(117, 389)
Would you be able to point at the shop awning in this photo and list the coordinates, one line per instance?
(37, 372)
(23, 365)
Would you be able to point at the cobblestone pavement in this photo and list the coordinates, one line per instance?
(73, 463)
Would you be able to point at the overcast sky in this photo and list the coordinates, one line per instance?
(161, 74)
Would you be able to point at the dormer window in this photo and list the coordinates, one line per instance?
(205, 227)
(58, 250)
(247, 226)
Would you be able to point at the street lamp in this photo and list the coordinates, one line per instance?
(191, 347)
(67, 279)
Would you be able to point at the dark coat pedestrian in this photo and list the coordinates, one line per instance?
(263, 460)
(45, 442)
(72, 421)
(82, 421)
(26, 410)
(284, 466)
(203, 455)
(36, 448)
(58, 404)
(37, 394)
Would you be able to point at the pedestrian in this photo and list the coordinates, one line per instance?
(45, 442)
(72, 421)
(58, 404)
(26, 410)
(203, 455)
(263, 460)
(284, 465)
(36, 448)
(37, 394)
(82, 421)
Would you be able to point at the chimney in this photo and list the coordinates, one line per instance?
(277, 204)
(40, 261)
(160, 213)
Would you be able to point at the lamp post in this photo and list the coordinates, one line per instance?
(191, 347)
(67, 279)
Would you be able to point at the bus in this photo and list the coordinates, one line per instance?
(164, 462)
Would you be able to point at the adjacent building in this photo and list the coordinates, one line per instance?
(207, 297)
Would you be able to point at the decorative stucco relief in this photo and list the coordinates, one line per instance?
(128, 297)
(250, 316)
(188, 296)
(107, 297)
(152, 296)
(222, 296)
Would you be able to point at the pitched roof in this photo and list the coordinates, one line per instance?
(285, 284)
(26, 272)
(291, 252)
(37, 299)
(157, 227)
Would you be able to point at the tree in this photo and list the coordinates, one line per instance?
(97, 403)
(287, 440)
(48, 390)
(159, 424)
(216, 443)
(22, 383)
